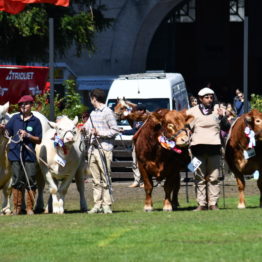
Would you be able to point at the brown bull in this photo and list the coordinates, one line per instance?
(239, 143)
(161, 150)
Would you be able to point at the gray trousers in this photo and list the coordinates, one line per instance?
(207, 182)
(19, 180)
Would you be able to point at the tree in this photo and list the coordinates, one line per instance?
(24, 37)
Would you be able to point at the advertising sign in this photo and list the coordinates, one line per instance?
(17, 81)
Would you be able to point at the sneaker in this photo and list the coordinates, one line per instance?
(135, 184)
(95, 210)
(213, 207)
(107, 210)
(200, 208)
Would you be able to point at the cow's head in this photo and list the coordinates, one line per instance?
(123, 108)
(174, 125)
(254, 120)
(3, 112)
(66, 129)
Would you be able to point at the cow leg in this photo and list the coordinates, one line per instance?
(148, 186)
(53, 189)
(176, 188)
(259, 185)
(241, 187)
(79, 179)
(6, 207)
(168, 190)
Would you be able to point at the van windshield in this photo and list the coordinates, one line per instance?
(151, 104)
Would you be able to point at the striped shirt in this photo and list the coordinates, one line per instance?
(103, 120)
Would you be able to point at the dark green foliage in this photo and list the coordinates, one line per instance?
(256, 102)
(24, 37)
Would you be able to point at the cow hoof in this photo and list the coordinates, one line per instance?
(241, 206)
(167, 209)
(148, 209)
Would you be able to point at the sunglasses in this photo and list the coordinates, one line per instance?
(24, 104)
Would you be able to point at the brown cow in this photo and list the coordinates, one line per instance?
(163, 160)
(237, 143)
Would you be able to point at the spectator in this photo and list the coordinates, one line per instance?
(193, 101)
(205, 146)
(141, 109)
(239, 104)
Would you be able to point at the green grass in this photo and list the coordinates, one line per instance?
(132, 235)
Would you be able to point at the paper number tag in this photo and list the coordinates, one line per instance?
(249, 153)
(194, 164)
(60, 160)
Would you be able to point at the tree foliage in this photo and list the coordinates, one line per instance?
(256, 102)
(24, 37)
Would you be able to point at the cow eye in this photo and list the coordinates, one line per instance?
(258, 121)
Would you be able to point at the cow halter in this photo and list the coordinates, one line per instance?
(58, 142)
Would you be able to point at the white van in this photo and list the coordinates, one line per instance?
(154, 90)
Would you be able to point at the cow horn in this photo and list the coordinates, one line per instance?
(5, 107)
(75, 121)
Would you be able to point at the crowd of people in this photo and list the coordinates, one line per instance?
(210, 127)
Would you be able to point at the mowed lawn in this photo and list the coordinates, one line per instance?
(129, 234)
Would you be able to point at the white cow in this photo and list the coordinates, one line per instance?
(60, 150)
(5, 170)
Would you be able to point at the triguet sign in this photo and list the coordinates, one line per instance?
(16, 81)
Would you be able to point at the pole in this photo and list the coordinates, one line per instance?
(245, 65)
(51, 67)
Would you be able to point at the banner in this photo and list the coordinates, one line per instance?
(11, 7)
(64, 3)
(17, 81)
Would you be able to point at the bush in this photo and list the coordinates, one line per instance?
(256, 102)
(69, 105)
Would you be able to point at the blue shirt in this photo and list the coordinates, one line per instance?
(33, 127)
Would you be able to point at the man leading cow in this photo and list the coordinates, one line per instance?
(26, 131)
(206, 147)
(102, 127)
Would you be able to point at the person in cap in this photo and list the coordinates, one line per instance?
(140, 109)
(206, 147)
(26, 131)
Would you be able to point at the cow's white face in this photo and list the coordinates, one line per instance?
(3, 111)
(66, 129)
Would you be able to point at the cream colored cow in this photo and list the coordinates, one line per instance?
(60, 149)
(5, 172)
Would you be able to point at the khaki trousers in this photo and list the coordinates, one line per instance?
(207, 183)
(101, 193)
(137, 175)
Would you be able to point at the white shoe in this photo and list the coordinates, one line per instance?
(107, 210)
(135, 184)
(95, 210)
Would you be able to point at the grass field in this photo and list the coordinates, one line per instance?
(129, 234)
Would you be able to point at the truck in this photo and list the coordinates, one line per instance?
(155, 90)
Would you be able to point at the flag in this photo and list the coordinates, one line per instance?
(11, 7)
(64, 3)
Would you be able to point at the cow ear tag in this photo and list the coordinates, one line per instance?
(60, 160)
(249, 153)
(194, 164)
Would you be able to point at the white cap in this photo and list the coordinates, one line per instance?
(206, 91)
